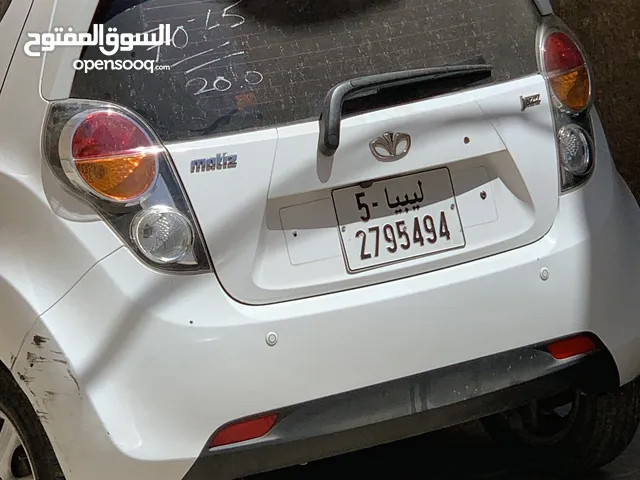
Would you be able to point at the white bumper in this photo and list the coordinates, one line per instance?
(138, 369)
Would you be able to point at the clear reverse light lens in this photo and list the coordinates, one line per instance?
(162, 234)
(574, 146)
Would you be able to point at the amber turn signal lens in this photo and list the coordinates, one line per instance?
(120, 178)
(572, 89)
(567, 71)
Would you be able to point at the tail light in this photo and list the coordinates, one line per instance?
(109, 157)
(566, 68)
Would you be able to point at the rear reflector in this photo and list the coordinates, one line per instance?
(244, 430)
(571, 347)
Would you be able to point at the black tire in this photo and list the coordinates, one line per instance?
(15, 406)
(599, 428)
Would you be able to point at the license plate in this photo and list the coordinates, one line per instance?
(398, 219)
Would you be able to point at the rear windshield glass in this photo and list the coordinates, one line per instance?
(235, 65)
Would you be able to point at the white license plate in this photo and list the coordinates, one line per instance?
(398, 219)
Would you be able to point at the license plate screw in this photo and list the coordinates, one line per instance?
(483, 195)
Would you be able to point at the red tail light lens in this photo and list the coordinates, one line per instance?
(566, 68)
(244, 430)
(109, 155)
(104, 134)
(561, 53)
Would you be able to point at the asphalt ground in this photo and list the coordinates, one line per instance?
(461, 453)
(610, 31)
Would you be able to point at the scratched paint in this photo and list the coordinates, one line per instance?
(41, 370)
(38, 340)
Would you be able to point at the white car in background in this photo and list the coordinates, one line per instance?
(308, 229)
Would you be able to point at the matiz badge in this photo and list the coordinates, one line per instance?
(219, 162)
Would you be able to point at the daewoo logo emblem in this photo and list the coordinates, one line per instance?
(390, 147)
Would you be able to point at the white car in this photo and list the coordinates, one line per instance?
(238, 235)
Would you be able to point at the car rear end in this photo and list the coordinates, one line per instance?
(259, 300)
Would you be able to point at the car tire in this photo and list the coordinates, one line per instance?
(597, 429)
(25, 450)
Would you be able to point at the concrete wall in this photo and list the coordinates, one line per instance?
(610, 30)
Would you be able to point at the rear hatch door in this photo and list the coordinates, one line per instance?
(426, 177)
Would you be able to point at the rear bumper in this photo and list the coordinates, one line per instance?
(137, 369)
(403, 408)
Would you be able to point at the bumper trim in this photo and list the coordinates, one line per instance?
(406, 407)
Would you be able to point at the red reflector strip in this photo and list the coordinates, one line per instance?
(571, 347)
(245, 430)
